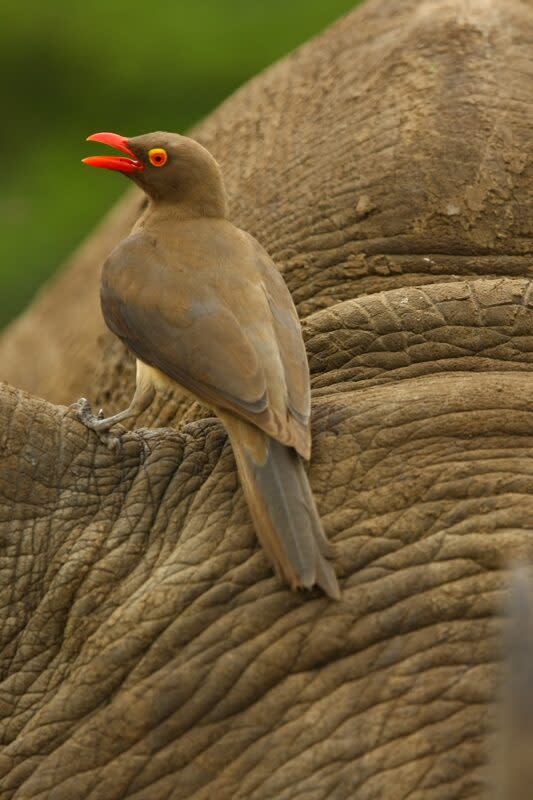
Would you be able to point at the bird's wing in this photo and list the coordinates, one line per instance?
(288, 335)
(218, 341)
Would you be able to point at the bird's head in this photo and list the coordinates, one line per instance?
(170, 168)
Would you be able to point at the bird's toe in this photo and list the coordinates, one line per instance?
(82, 409)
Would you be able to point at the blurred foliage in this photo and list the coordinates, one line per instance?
(69, 69)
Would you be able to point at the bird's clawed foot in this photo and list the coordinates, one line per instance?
(96, 423)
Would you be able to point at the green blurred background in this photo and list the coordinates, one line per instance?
(70, 68)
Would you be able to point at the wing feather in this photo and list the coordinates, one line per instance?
(289, 337)
(234, 342)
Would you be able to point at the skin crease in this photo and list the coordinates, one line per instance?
(147, 648)
(200, 302)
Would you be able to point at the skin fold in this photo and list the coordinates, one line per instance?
(147, 648)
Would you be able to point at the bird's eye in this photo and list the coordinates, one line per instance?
(158, 157)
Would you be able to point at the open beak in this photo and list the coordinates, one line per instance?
(118, 163)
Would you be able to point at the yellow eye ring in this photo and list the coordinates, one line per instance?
(158, 157)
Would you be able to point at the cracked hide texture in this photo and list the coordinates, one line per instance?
(147, 650)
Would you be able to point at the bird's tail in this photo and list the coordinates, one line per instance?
(282, 508)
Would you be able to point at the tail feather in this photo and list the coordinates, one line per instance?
(283, 509)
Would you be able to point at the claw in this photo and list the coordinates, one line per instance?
(94, 422)
(82, 408)
(84, 413)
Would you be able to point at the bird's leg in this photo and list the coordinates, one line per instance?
(144, 394)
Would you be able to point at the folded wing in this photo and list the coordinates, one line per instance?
(234, 343)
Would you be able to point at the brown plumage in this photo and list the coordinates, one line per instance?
(202, 305)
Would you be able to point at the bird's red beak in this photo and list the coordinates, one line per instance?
(118, 163)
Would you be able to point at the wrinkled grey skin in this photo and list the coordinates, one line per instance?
(147, 650)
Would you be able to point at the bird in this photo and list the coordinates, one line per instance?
(204, 309)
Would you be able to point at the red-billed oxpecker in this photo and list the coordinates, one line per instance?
(202, 306)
